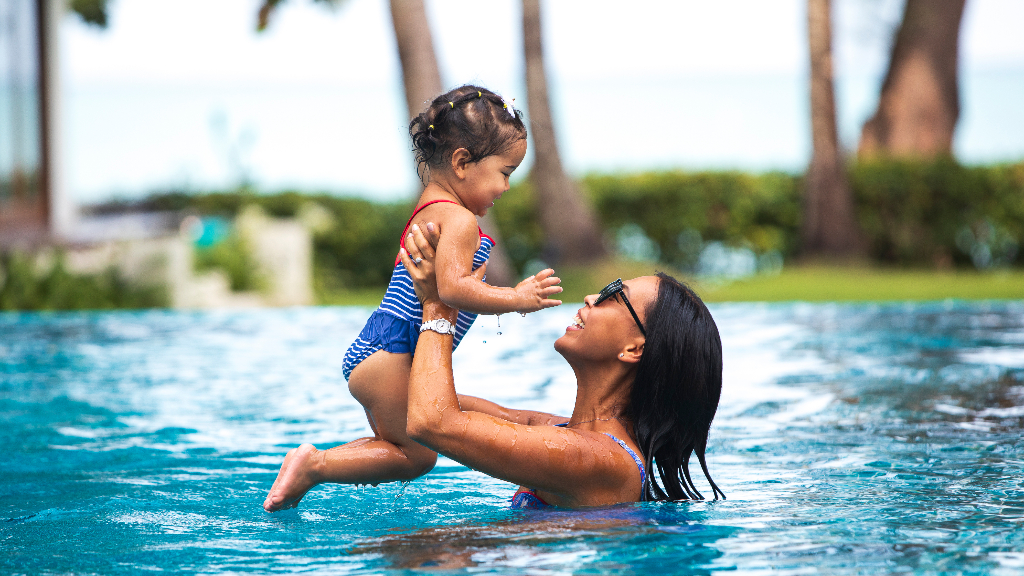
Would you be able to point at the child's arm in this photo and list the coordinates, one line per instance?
(460, 288)
(529, 417)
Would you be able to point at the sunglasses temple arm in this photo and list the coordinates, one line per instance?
(638, 324)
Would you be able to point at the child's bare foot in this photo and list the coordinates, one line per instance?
(293, 481)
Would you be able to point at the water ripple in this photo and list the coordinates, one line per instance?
(874, 438)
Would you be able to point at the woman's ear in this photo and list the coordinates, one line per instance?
(632, 353)
(460, 159)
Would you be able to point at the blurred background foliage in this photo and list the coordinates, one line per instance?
(915, 215)
(33, 283)
(233, 256)
(935, 214)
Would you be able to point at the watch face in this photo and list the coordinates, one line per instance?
(440, 325)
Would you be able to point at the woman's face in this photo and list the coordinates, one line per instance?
(602, 332)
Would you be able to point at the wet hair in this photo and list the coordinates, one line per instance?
(469, 117)
(676, 390)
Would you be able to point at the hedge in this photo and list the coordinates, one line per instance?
(911, 213)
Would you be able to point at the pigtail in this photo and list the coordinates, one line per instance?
(468, 117)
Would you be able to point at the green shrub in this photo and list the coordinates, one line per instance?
(912, 214)
(516, 217)
(940, 212)
(356, 251)
(760, 211)
(24, 287)
(359, 249)
(234, 257)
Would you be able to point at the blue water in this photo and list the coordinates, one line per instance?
(851, 439)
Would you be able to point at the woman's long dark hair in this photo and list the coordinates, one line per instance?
(675, 395)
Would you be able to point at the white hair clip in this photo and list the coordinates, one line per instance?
(508, 106)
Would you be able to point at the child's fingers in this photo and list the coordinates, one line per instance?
(550, 281)
(544, 273)
(549, 303)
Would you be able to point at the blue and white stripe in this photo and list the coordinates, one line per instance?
(400, 299)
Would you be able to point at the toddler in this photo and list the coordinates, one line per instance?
(467, 143)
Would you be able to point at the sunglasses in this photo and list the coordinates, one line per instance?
(616, 288)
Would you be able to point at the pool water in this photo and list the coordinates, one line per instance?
(851, 439)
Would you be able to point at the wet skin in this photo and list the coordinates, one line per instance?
(380, 382)
(571, 467)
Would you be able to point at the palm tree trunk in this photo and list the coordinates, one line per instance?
(920, 102)
(829, 226)
(422, 81)
(570, 226)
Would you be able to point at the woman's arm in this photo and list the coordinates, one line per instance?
(573, 468)
(529, 417)
(460, 288)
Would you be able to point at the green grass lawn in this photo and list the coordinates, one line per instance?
(857, 284)
(810, 284)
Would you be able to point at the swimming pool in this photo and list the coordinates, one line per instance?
(851, 439)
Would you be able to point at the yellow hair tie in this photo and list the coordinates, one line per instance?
(452, 105)
(431, 127)
(479, 94)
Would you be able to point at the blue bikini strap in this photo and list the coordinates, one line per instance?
(639, 462)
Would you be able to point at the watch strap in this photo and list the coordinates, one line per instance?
(439, 325)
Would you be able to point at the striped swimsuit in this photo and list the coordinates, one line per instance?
(395, 325)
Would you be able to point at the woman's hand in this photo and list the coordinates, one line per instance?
(419, 262)
(418, 257)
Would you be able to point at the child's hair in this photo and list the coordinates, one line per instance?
(467, 117)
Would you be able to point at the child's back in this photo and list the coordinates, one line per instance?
(467, 142)
(394, 326)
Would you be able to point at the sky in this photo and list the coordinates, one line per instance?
(184, 94)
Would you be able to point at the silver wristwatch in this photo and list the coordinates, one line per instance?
(441, 326)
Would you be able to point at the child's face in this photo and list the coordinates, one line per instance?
(485, 181)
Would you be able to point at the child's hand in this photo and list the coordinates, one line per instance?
(535, 290)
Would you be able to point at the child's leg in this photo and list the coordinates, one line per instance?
(381, 384)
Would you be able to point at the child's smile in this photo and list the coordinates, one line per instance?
(485, 181)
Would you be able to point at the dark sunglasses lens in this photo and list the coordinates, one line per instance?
(609, 291)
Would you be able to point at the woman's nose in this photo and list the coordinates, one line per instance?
(589, 300)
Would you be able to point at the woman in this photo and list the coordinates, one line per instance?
(648, 363)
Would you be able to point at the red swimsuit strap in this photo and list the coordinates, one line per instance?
(401, 241)
(417, 211)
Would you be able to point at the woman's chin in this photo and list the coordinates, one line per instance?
(564, 342)
(560, 344)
